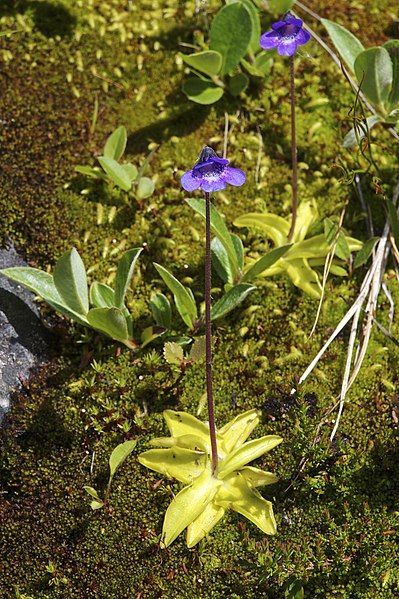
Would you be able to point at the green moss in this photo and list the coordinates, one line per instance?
(335, 504)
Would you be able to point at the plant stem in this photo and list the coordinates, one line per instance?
(208, 333)
(294, 151)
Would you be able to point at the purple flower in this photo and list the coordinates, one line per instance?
(285, 35)
(211, 173)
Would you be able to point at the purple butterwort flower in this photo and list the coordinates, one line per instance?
(211, 173)
(285, 35)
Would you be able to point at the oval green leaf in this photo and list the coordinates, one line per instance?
(184, 301)
(110, 321)
(145, 188)
(124, 274)
(116, 172)
(348, 46)
(393, 49)
(230, 300)
(116, 144)
(71, 281)
(208, 62)
(119, 455)
(161, 310)
(101, 295)
(231, 34)
(265, 262)
(202, 92)
(374, 72)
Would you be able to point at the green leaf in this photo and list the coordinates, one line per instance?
(150, 333)
(119, 455)
(238, 83)
(263, 63)
(183, 300)
(92, 492)
(145, 188)
(42, 284)
(258, 478)
(116, 144)
(38, 281)
(364, 254)
(219, 228)
(188, 505)
(265, 262)
(131, 171)
(231, 33)
(330, 231)
(374, 72)
(176, 462)
(88, 171)
(101, 295)
(207, 62)
(280, 7)
(303, 277)
(182, 423)
(236, 432)
(348, 46)
(71, 281)
(254, 15)
(202, 92)
(204, 523)
(221, 262)
(342, 249)
(273, 226)
(230, 300)
(161, 310)
(237, 494)
(239, 249)
(116, 172)
(124, 274)
(246, 453)
(110, 321)
(197, 351)
(356, 134)
(173, 353)
(393, 49)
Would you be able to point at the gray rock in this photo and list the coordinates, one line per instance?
(23, 339)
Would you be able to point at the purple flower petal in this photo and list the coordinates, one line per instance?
(269, 40)
(292, 20)
(234, 176)
(213, 185)
(189, 182)
(275, 26)
(287, 48)
(303, 37)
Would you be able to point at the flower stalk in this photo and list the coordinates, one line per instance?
(208, 333)
(294, 151)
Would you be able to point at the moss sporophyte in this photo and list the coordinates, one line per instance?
(213, 464)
